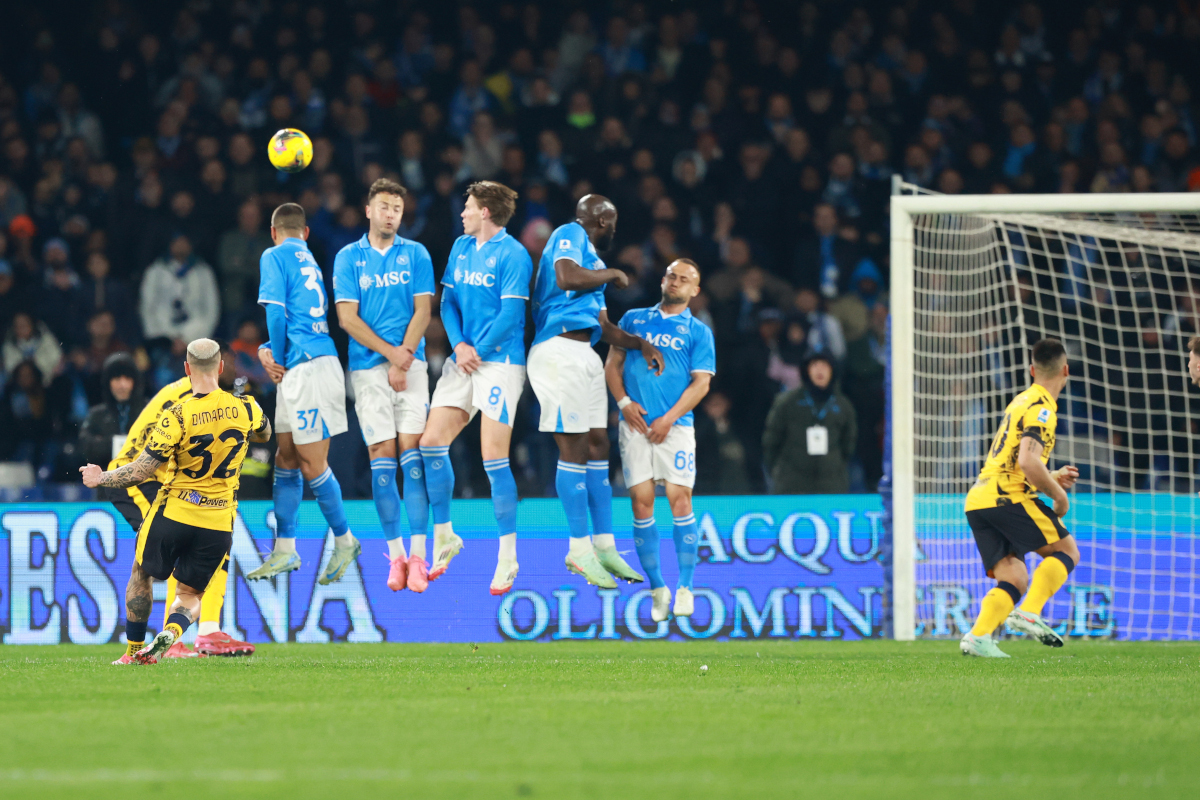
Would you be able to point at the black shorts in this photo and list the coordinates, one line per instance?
(191, 553)
(126, 506)
(1014, 530)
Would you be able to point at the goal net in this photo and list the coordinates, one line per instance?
(975, 282)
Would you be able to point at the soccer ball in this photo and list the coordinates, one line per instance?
(290, 150)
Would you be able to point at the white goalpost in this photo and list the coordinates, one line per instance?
(975, 281)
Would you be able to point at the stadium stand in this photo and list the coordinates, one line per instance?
(759, 138)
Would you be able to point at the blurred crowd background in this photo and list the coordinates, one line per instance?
(759, 138)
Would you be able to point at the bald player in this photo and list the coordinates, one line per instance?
(657, 437)
(567, 376)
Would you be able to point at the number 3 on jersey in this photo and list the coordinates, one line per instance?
(314, 284)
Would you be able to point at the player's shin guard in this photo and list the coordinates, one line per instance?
(1048, 578)
(386, 496)
(329, 497)
(212, 601)
(287, 493)
(439, 481)
(687, 545)
(416, 499)
(571, 484)
(997, 604)
(504, 494)
(599, 492)
(645, 540)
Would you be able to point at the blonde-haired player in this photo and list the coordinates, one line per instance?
(1009, 519)
(188, 530)
(134, 503)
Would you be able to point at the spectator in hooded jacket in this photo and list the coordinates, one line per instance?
(104, 429)
(811, 434)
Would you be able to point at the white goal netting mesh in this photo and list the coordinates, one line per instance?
(1120, 290)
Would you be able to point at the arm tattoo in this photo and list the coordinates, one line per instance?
(132, 473)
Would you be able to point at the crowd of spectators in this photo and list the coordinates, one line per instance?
(759, 138)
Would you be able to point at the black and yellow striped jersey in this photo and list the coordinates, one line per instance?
(139, 432)
(204, 438)
(1033, 413)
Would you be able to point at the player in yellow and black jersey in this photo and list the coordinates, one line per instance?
(1008, 518)
(188, 529)
(134, 503)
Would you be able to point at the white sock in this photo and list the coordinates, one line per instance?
(208, 628)
(508, 547)
(285, 544)
(417, 547)
(345, 540)
(579, 546)
(604, 541)
(442, 529)
(396, 548)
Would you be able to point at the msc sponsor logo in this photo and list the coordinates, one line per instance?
(664, 340)
(476, 278)
(385, 279)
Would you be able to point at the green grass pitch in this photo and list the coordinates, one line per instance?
(606, 720)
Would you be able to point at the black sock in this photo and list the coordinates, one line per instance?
(1012, 591)
(135, 631)
(1066, 561)
(179, 619)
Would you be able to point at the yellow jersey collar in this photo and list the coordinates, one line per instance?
(1044, 393)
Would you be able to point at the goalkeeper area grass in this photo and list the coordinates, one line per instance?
(599, 720)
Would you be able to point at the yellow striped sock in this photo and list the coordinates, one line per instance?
(995, 608)
(1048, 578)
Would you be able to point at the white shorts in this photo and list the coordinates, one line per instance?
(311, 401)
(568, 378)
(494, 389)
(673, 461)
(383, 412)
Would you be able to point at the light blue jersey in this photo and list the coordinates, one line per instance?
(383, 285)
(477, 279)
(687, 346)
(555, 310)
(290, 277)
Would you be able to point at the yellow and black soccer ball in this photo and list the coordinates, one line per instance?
(290, 150)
